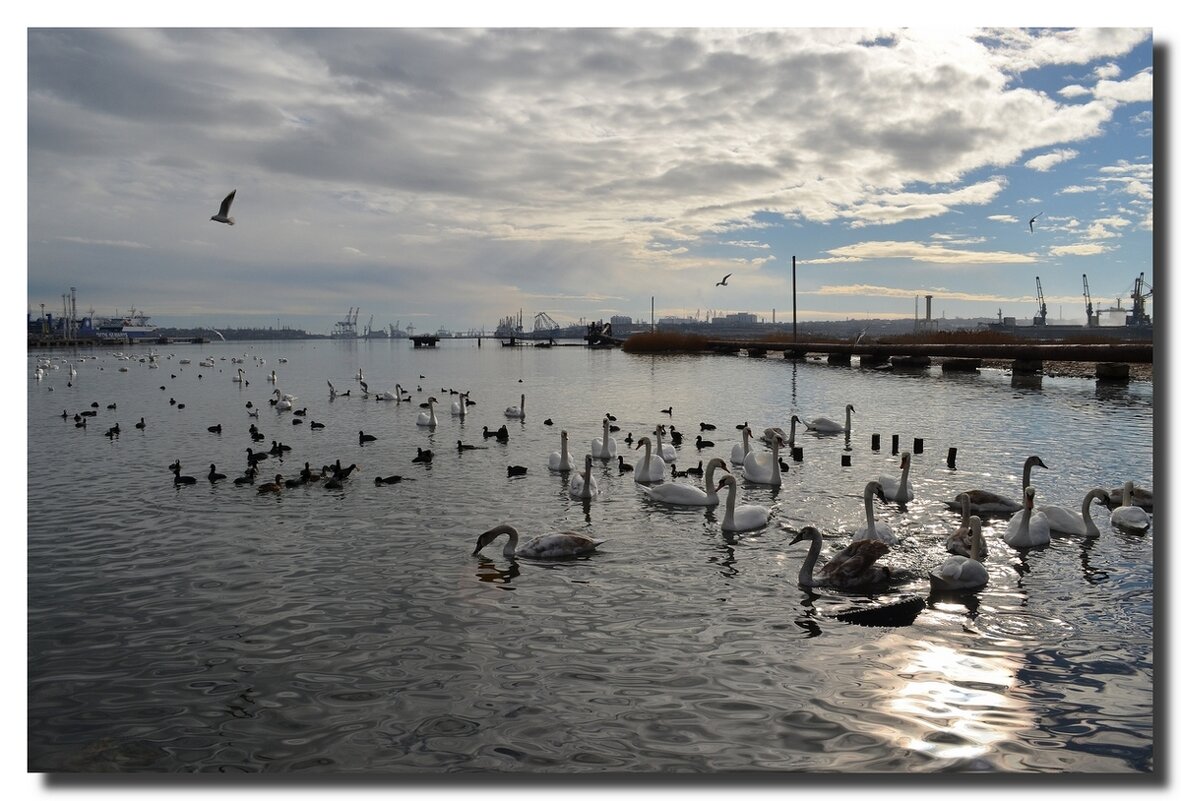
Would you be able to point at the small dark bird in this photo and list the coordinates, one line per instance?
(333, 483)
(462, 447)
(177, 478)
(668, 411)
(423, 457)
(252, 458)
(741, 426)
(516, 470)
(316, 426)
(488, 433)
(249, 404)
(223, 213)
(387, 480)
(784, 466)
(247, 477)
(94, 405)
(363, 437)
(708, 427)
(77, 418)
(82, 424)
(300, 412)
(214, 429)
(180, 405)
(628, 439)
(1031, 219)
(675, 436)
(275, 486)
(624, 467)
(703, 443)
(141, 424)
(65, 414)
(611, 417)
(342, 472)
(295, 421)
(214, 475)
(548, 421)
(292, 483)
(90, 413)
(695, 471)
(612, 428)
(678, 473)
(724, 280)
(110, 406)
(111, 433)
(502, 434)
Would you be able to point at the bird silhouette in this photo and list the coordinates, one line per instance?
(1031, 219)
(724, 280)
(223, 213)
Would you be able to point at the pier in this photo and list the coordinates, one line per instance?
(1127, 352)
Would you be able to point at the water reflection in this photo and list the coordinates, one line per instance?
(1026, 381)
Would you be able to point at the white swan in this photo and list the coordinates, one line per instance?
(429, 419)
(559, 461)
(771, 433)
(852, 568)
(960, 541)
(738, 452)
(458, 407)
(963, 572)
(547, 546)
(822, 425)
(584, 485)
(517, 412)
(236, 379)
(1140, 497)
(651, 469)
(763, 468)
(282, 402)
(791, 435)
(666, 452)
(873, 530)
(1068, 521)
(898, 489)
(1128, 516)
(687, 494)
(986, 503)
(1026, 528)
(605, 448)
(273, 378)
(743, 518)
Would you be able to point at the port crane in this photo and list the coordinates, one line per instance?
(1092, 318)
(1137, 316)
(1040, 317)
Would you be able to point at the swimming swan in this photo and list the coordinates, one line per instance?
(517, 412)
(743, 518)
(429, 419)
(738, 452)
(822, 425)
(666, 452)
(873, 530)
(1140, 497)
(986, 503)
(1129, 517)
(651, 469)
(763, 468)
(559, 461)
(1068, 521)
(898, 489)
(963, 572)
(852, 568)
(547, 546)
(1026, 528)
(583, 485)
(960, 541)
(458, 407)
(687, 494)
(605, 448)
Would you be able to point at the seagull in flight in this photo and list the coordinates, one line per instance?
(1031, 219)
(223, 214)
(724, 280)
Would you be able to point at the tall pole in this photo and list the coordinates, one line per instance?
(793, 298)
(653, 312)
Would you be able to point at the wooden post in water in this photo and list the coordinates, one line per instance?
(951, 458)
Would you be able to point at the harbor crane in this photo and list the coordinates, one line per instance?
(1137, 316)
(1092, 318)
(1040, 317)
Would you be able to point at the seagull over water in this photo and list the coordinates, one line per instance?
(1031, 219)
(724, 280)
(223, 214)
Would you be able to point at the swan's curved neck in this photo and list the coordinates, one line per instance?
(510, 547)
(977, 542)
(1088, 523)
(775, 475)
(848, 418)
(731, 498)
(1025, 472)
(647, 455)
(791, 437)
(869, 509)
(965, 510)
(806, 569)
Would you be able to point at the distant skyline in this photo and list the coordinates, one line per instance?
(451, 177)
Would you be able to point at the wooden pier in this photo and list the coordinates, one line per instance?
(1126, 352)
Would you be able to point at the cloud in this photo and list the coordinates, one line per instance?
(1078, 250)
(920, 252)
(1006, 218)
(1137, 89)
(1107, 71)
(1075, 189)
(1048, 161)
(1074, 90)
(106, 243)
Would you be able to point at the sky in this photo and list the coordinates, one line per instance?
(448, 177)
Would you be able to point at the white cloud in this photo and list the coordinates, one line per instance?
(106, 243)
(1078, 250)
(1048, 161)
(1075, 189)
(1006, 218)
(929, 254)
(1108, 71)
(1074, 90)
(1137, 89)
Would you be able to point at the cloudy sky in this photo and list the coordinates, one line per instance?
(449, 177)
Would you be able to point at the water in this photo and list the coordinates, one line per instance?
(210, 628)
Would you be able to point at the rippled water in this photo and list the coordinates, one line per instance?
(210, 628)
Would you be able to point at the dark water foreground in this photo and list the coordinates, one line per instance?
(208, 628)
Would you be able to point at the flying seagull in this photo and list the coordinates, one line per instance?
(724, 280)
(1031, 219)
(223, 214)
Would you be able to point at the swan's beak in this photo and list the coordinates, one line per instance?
(799, 537)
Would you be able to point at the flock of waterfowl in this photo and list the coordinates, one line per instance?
(654, 474)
